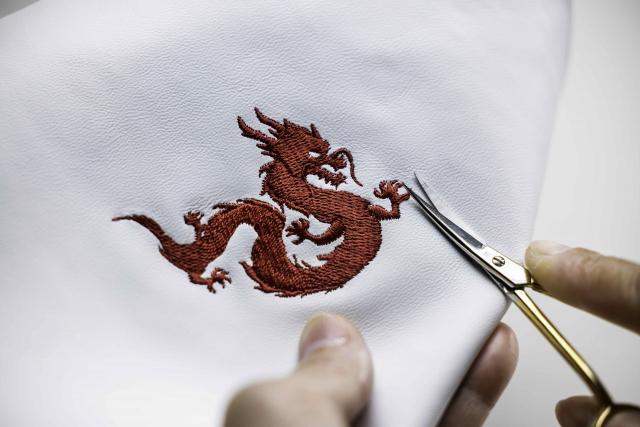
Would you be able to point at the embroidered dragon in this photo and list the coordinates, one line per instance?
(297, 153)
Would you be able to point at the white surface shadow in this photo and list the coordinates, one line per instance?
(7, 7)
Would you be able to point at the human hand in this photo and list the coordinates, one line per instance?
(334, 377)
(605, 286)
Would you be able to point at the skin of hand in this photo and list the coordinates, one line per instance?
(605, 286)
(333, 381)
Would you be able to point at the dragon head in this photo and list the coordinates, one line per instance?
(301, 150)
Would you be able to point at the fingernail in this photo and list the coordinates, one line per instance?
(539, 250)
(321, 330)
(547, 247)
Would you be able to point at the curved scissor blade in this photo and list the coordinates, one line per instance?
(449, 227)
(443, 208)
(428, 192)
(511, 274)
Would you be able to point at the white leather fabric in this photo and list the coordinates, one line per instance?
(122, 107)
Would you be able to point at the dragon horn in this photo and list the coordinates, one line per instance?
(255, 134)
(267, 121)
(314, 131)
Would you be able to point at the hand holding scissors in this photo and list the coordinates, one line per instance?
(513, 279)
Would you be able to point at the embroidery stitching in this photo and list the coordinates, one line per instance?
(349, 216)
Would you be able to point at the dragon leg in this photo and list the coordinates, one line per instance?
(261, 284)
(218, 275)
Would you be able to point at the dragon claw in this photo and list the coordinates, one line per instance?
(193, 218)
(299, 228)
(220, 276)
(390, 190)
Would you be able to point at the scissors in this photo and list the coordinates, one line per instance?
(513, 279)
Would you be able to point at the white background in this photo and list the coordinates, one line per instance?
(590, 198)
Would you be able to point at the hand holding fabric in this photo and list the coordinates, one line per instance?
(334, 379)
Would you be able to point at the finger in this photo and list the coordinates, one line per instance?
(335, 358)
(605, 286)
(629, 418)
(577, 411)
(581, 411)
(485, 381)
(329, 388)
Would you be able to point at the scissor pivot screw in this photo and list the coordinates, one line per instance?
(498, 261)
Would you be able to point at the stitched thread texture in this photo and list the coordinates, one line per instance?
(297, 152)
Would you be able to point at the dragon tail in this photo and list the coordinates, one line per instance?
(151, 225)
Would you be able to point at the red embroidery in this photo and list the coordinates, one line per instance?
(350, 216)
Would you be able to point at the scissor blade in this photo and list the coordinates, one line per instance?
(431, 195)
(444, 223)
(443, 208)
(509, 273)
(428, 192)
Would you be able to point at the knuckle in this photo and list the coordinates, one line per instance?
(581, 267)
(339, 373)
(257, 398)
(327, 361)
(282, 403)
(587, 261)
(511, 343)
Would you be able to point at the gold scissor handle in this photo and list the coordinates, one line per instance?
(582, 368)
(607, 413)
(533, 313)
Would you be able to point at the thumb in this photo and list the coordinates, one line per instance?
(335, 360)
(330, 386)
(580, 411)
